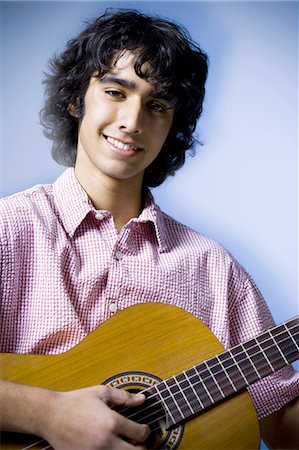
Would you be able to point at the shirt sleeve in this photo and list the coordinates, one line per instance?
(251, 317)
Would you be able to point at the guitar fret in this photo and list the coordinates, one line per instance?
(180, 396)
(174, 400)
(210, 382)
(194, 392)
(199, 386)
(190, 394)
(185, 397)
(203, 384)
(221, 376)
(264, 354)
(155, 408)
(257, 357)
(227, 375)
(232, 370)
(289, 346)
(278, 348)
(269, 344)
(214, 379)
(290, 351)
(251, 362)
(245, 365)
(165, 402)
(237, 365)
(292, 337)
(272, 353)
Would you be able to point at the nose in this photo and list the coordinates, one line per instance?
(131, 117)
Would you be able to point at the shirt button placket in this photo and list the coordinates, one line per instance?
(113, 307)
(119, 255)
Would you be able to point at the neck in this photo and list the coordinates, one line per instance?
(123, 198)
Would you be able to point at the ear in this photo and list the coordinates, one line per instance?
(73, 110)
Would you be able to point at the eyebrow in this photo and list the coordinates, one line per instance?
(131, 85)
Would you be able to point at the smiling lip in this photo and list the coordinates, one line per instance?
(125, 147)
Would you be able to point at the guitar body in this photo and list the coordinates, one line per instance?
(151, 338)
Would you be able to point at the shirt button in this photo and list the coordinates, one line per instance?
(99, 216)
(113, 307)
(119, 256)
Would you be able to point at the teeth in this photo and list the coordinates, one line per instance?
(121, 145)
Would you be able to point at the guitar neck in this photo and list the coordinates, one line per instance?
(215, 379)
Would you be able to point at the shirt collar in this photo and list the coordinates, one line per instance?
(71, 200)
(152, 213)
(73, 205)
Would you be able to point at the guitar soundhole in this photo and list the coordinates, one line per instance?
(150, 412)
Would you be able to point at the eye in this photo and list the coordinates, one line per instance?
(157, 107)
(114, 93)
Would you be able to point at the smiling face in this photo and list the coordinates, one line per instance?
(123, 128)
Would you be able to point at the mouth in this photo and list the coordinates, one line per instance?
(125, 147)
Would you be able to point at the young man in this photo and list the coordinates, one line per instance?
(122, 105)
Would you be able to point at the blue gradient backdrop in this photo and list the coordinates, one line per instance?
(241, 187)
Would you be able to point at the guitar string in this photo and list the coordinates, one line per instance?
(200, 374)
(204, 379)
(157, 419)
(34, 444)
(273, 345)
(38, 443)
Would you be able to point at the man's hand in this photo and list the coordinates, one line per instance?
(75, 420)
(83, 420)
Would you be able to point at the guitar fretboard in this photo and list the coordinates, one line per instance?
(211, 381)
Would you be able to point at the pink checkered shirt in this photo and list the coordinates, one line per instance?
(65, 270)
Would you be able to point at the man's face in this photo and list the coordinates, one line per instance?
(124, 125)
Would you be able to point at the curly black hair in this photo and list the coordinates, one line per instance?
(176, 65)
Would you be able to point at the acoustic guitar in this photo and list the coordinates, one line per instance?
(196, 394)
